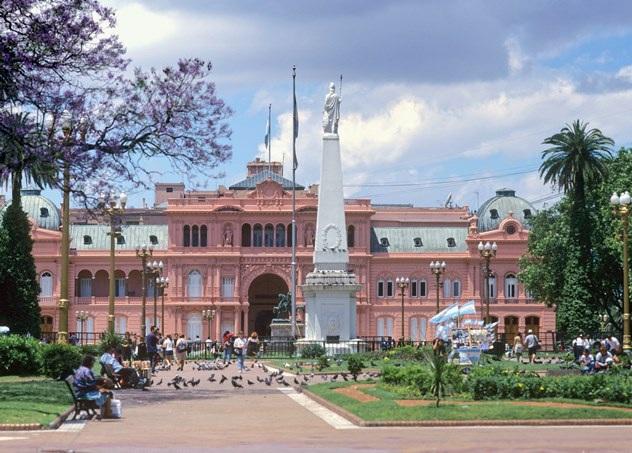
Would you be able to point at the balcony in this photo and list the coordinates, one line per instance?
(47, 301)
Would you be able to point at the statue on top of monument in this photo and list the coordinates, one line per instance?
(331, 111)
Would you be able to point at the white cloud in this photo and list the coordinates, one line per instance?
(625, 73)
(139, 27)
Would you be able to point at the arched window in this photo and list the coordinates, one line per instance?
(84, 287)
(257, 235)
(380, 288)
(456, 288)
(384, 327)
(186, 236)
(194, 284)
(203, 236)
(423, 288)
(194, 326)
(390, 289)
(511, 286)
(268, 235)
(280, 235)
(46, 284)
(289, 235)
(532, 323)
(447, 287)
(511, 328)
(417, 328)
(245, 235)
(491, 289)
(350, 236)
(195, 236)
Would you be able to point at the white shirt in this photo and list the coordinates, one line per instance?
(239, 343)
(579, 341)
(168, 344)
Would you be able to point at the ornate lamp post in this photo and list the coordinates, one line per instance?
(208, 316)
(438, 269)
(162, 283)
(144, 254)
(621, 207)
(154, 270)
(402, 283)
(487, 252)
(113, 208)
(603, 320)
(68, 130)
(82, 317)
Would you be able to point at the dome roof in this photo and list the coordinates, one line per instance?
(497, 208)
(40, 209)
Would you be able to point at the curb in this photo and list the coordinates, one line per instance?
(448, 423)
(38, 426)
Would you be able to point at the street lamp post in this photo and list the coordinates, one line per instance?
(208, 316)
(621, 207)
(144, 254)
(487, 252)
(82, 316)
(402, 283)
(438, 269)
(113, 208)
(603, 320)
(154, 270)
(162, 283)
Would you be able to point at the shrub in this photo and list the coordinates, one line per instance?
(20, 355)
(59, 360)
(355, 365)
(91, 349)
(414, 376)
(109, 340)
(312, 351)
(323, 362)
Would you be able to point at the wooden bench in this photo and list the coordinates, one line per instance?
(81, 404)
(109, 372)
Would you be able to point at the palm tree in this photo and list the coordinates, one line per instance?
(575, 162)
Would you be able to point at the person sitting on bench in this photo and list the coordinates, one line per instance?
(128, 377)
(86, 385)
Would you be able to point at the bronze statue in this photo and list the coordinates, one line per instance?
(284, 306)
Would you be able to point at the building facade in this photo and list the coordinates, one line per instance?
(229, 249)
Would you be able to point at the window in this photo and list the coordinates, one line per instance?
(417, 329)
(533, 323)
(228, 287)
(153, 239)
(186, 236)
(280, 235)
(380, 288)
(384, 327)
(43, 212)
(150, 286)
(194, 284)
(447, 287)
(492, 287)
(384, 242)
(120, 239)
(87, 240)
(245, 235)
(290, 236)
(195, 236)
(268, 235)
(511, 286)
(527, 213)
(169, 189)
(350, 236)
(418, 242)
(87, 327)
(120, 325)
(413, 288)
(119, 287)
(422, 288)
(451, 242)
(493, 213)
(149, 321)
(85, 287)
(257, 235)
(456, 288)
(203, 236)
(511, 328)
(510, 229)
(46, 284)
(389, 288)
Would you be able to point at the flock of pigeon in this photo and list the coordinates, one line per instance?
(277, 377)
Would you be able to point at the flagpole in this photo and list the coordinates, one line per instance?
(269, 138)
(294, 132)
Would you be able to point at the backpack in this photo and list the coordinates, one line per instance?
(181, 346)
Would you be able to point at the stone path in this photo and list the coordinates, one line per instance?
(214, 417)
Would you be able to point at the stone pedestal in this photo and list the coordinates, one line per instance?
(281, 329)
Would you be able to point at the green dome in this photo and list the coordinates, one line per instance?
(40, 209)
(497, 208)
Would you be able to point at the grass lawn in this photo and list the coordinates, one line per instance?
(387, 409)
(32, 399)
(333, 367)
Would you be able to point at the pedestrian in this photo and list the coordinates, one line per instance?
(152, 347)
(532, 343)
(578, 346)
(518, 347)
(181, 352)
(167, 344)
(126, 344)
(239, 347)
(253, 346)
(227, 344)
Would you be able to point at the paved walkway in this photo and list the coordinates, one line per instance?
(265, 418)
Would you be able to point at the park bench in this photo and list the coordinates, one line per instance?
(81, 404)
(109, 372)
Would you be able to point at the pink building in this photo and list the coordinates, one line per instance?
(229, 249)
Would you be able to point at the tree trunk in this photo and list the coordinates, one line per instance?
(16, 187)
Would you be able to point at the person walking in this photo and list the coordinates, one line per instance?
(239, 346)
(152, 347)
(227, 344)
(532, 343)
(252, 347)
(167, 345)
(181, 352)
(518, 347)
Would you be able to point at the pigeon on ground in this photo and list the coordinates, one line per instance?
(224, 378)
(268, 381)
(175, 386)
(159, 382)
(296, 381)
(212, 378)
(264, 368)
(236, 385)
(250, 382)
(259, 379)
(286, 383)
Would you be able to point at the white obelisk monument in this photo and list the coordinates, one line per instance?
(329, 291)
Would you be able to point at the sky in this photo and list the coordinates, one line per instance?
(438, 97)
